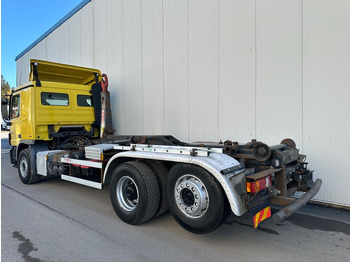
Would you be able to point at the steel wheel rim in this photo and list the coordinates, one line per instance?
(191, 196)
(127, 193)
(23, 167)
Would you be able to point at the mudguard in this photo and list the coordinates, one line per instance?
(227, 171)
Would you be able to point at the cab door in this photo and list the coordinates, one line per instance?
(15, 116)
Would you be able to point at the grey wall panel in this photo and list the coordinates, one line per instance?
(326, 95)
(75, 39)
(86, 36)
(23, 65)
(133, 66)
(100, 51)
(22, 69)
(203, 70)
(237, 70)
(176, 68)
(116, 62)
(152, 67)
(279, 70)
(26, 66)
(64, 42)
(53, 46)
(39, 51)
(19, 70)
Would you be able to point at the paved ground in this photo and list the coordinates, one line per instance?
(59, 221)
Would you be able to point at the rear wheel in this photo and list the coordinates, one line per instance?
(195, 199)
(24, 168)
(134, 192)
(161, 172)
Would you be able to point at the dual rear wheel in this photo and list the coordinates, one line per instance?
(141, 190)
(134, 192)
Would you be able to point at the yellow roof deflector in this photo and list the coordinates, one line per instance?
(55, 72)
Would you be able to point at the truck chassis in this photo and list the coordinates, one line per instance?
(199, 183)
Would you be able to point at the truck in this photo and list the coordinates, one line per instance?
(61, 125)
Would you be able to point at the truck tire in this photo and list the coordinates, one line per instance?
(161, 172)
(134, 192)
(24, 168)
(195, 199)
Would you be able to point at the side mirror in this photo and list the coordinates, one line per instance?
(5, 108)
(5, 101)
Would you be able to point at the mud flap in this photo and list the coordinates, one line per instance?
(259, 212)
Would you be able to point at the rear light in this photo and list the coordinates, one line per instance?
(256, 186)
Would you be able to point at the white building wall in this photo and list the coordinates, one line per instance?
(279, 70)
(326, 94)
(237, 70)
(219, 69)
(86, 35)
(133, 78)
(176, 68)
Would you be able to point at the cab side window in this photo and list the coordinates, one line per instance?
(15, 106)
(84, 100)
(54, 99)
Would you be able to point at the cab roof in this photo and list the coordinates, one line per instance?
(63, 73)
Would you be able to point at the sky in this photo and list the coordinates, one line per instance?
(24, 21)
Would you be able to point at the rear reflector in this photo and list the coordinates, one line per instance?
(261, 216)
(256, 186)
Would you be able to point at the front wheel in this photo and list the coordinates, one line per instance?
(24, 168)
(195, 198)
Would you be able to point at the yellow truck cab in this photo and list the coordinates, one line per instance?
(55, 104)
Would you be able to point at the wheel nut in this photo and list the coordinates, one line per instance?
(196, 204)
(193, 189)
(197, 196)
(182, 186)
(187, 185)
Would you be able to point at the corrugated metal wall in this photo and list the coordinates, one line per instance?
(218, 69)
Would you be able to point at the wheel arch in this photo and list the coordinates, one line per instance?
(113, 164)
(214, 164)
(20, 147)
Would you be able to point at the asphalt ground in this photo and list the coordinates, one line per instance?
(56, 220)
